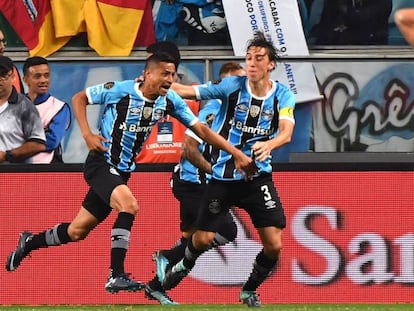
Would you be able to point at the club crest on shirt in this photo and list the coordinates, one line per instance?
(267, 115)
(109, 85)
(254, 111)
(158, 114)
(135, 111)
(146, 112)
(242, 107)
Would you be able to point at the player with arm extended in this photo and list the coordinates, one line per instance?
(131, 110)
(256, 115)
(188, 183)
(165, 141)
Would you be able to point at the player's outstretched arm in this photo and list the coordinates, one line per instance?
(185, 91)
(191, 152)
(242, 162)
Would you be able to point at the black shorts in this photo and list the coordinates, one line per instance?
(102, 179)
(258, 198)
(189, 195)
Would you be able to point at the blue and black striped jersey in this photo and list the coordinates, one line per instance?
(186, 170)
(129, 117)
(244, 119)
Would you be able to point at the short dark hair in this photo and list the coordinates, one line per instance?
(159, 57)
(260, 40)
(166, 47)
(33, 61)
(6, 65)
(229, 67)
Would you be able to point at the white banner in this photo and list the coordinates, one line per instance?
(280, 21)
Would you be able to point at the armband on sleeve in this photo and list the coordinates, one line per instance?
(286, 112)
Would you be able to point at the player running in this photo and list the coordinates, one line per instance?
(256, 115)
(131, 110)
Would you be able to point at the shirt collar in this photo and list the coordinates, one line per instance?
(40, 98)
(13, 96)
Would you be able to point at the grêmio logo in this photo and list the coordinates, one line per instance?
(379, 113)
(371, 260)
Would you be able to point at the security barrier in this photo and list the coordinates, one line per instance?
(349, 239)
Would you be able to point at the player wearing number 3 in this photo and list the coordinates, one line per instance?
(131, 111)
(256, 116)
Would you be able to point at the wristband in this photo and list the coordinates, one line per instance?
(9, 156)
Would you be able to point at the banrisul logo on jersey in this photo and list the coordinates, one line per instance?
(252, 130)
(133, 127)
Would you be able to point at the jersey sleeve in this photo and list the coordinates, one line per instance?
(209, 111)
(32, 125)
(205, 116)
(286, 105)
(190, 133)
(181, 111)
(211, 90)
(108, 93)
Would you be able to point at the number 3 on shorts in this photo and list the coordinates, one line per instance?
(266, 194)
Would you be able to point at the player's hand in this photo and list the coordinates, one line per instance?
(94, 142)
(261, 150)
(246, 165)
(251, 170)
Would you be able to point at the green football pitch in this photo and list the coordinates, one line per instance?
(282, 307)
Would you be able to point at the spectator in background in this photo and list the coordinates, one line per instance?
(167, 137)
(204, 20)
(206, 24)
(188, 182)
(231, 69)
(352, 22)
(308, 14)
(17, 81)
(21, 130)
(404, 19)
(55, 114)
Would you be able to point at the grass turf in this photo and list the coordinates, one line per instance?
(281, 307)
